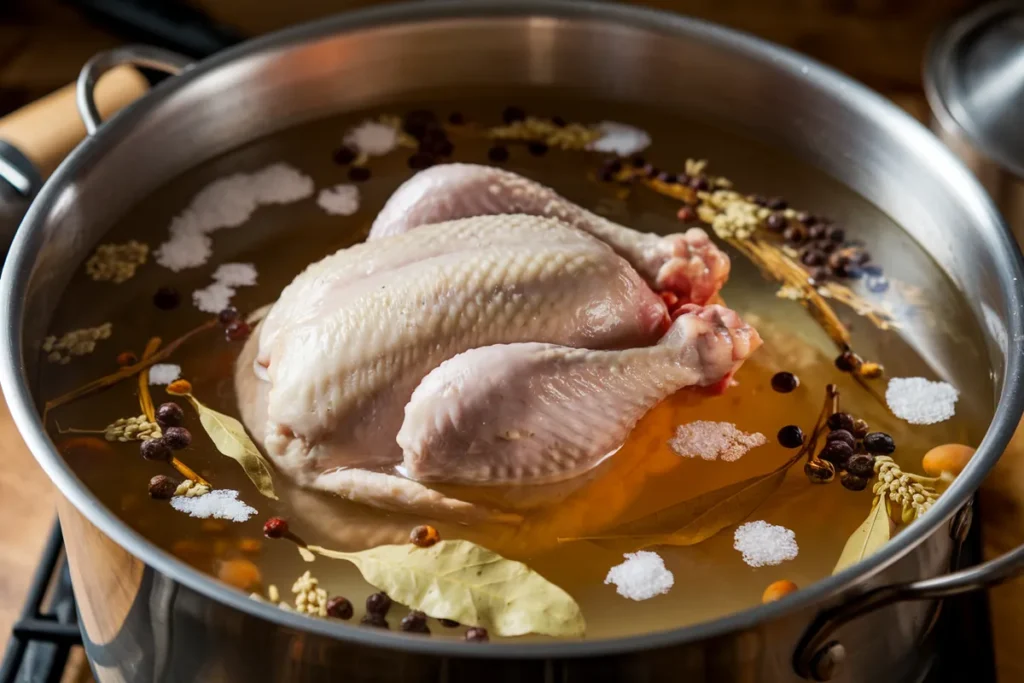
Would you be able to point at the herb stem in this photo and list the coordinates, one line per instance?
(145, 397)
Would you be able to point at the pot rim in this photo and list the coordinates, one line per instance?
(20, 262)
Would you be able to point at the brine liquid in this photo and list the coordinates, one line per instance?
(711, 580)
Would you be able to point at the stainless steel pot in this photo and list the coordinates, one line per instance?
(149, 618)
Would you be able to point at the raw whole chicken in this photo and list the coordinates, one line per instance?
(480, 336)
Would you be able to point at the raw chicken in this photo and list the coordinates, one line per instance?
(533, 412)
(689, 265)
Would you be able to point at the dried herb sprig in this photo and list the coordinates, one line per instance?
(914, 493)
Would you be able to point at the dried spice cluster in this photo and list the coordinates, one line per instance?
(76, 343)
(116, 262)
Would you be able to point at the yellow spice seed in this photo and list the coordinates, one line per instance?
(777, 590)
(950, 457)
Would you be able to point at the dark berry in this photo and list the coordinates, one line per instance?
(812, 257)
(819, 471)
(807, 219)
(498, 154)
(785, 382)
(378, 603)
(837, 453)
(162, 487)
(840, 421)
(836, 234)
(827, 247)
(166, 298)
(375, 621)
(155, 449)
(415, 622)
(449, 623)
(358, 174)
(791, 436)
(513, 114)
(177, 438)
(861, 465)
(776, 222)
(794, 234)
(339, 608)
(879, 443)
(846, 361)
(169, 415)
(228, 315)
(238, 330)
(420, 160)
(275, 527)
(537, 149)
(841, 435)
(816, 232)
(777, 204)
(854, 483)
(456, 118)
(344, 155)
(860, 428)
(477, 635)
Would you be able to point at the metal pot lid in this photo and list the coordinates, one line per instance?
(974, 79)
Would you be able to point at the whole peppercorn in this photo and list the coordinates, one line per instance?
(498, 154)
(839, 262)
(162, 487)
(837, 453)
(794, 234)
(126, 358)
(810, 256)
(836, 234)
(418, 121)
(344, 155)
(818, 274)
(816, 232)
(846, 361)
(841, 435)
(775, 222)
(477, 635)
(860, 428)
(807, 219)
(879, 443)
(449, 623)
(339, 608)
(700, 184)
(166, 298)
(791, 436)
(275, 527)
(854, 483)
(415, 622)
(169, 414)
(375, 621)
(819, 471)
(424, 536)
(237, 330)
(177, 438)
(785, 382)
(155, 449)
(227, 315)
(861, 465)
(778, 204)
(840, 421)
(378, 603)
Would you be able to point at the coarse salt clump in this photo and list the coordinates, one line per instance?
(919, 401)
(227, 203)
(164, 373)
(340, 200)
(641, 577)
(714, 440)
(216, 296)
(620, 138)
(218, 504)
(764, 544)
(235, 274)
(372, 138)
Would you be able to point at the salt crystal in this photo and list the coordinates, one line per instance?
(235, 274)
(164, 373)
(340, 200)
(372, 138)
(919, 401)
(642, 576)
(620, 138)
(218, 504)
(764, 544)
(227, 203)
(213, 298)
(714, 440)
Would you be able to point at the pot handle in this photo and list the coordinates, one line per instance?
(135, 55)
(818, 656)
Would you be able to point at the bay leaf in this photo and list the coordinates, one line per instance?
(231, 439)
(466, 582)
(873, 533)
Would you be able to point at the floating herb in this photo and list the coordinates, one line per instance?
(465, 582)
(231, 439)
(869, 537)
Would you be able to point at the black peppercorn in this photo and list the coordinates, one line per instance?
(162, 487)
(166, 298)
(378, 603)
(513, 114)
(177, 438)
(812, 257)
(838, 262)
(816, 232)
(374, 621)
(778, 204)
(860, 428)
(837, 453)
(155, 449)
(807, 219)
(449, 623)
(846, 361)
(477, 635)
(169, 415)
(840, 421)
(227, 315)
(836, 234)
(700, 184)
(358, 174)
(775, 222)
(841, 435)
(344, 155)
(537, 149)
(785, 382)
(498, 154)
(861, 465)
(879, 443)
(415, 622)
(819, 471)
(826, 247)
(854, 483)
(794, 235)
(339, 608)
(791, 436)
